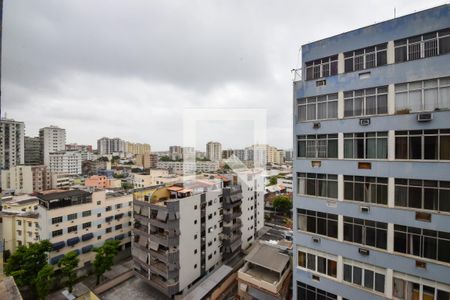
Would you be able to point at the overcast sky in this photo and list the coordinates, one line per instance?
(129, 68)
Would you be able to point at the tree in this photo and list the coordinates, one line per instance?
(282, 203)
(273, 180)
(164, 158)
(103, 158)
(44, 280)
(127, 186)
(104, 259)
(26, 262)
(6, 255)
(68, 264)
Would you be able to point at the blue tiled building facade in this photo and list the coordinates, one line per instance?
(372, 166)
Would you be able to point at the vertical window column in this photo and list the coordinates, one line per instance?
(340, 145)
(391, 99)
(391, 192)
(340, 187)
(341, 63)
(340, 110)
(390, 237)
(340, 228)
(390, 52)
(391, 145)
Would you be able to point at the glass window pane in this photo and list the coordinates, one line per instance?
(302, 113)
(332, 189)
(444, 250)
(415, 197)
(382, 194)
(348, 190)
(381, 58)
(332, 149)
(444, 97)
(379, 282)
(444, 200)
(347, 273)
(371, 148)
(400, 242)
(348, 148)
(311, 262)
(431, 147)
(332, 109)
(415, 147)
(358, 109)
(311, 113)
(322, 110)
(431, 198)
(348, 232)
(359, 191)
(430, 99)
(445, 147)
(401, 196)
(359, 151)
(401, 102)
(444, 45)
(321, 265)
(368, 279)
(348, 108)
(401, 148)
(301, 149)
(400, 54)
(302, 259)
(382, 104)
(311, 224)
(371, 107)
(332, 268)
(357, 275)
(382, 145)
(429, 247)
(415, 100)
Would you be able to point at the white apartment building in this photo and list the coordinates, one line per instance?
(77, 220)
(12, 135)
(53, 139)
(65, 162)
(214, 151)
(188, 167)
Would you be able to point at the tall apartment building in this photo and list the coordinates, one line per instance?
(188, 167)
(107, 145)
(12, 135)
(137, 148)
(214, 151)
(188, 153)
(175, 152)
(26, 179)
(372, 145)
(184, 231)
(32, 150)
(77, 220)
(65, 162)
(53, 139)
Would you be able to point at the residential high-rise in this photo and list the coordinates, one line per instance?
(32, 150)
(184, 231)
(12, 147)
(214, 151)
(107, 145)
(137, 148)
(372, 166)
(53, 139)
(175, 152)
(65, 162)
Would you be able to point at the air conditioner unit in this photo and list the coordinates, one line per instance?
(365, 209)
(316, 239)
(363, 251)
(364, 121)
(424, 117)
(316, 125)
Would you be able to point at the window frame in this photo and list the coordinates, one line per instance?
(366, 226)
(364, 94)
(315, 139)
(306, 102)
(366, 137)
(363, 54)
(303, 184)
(321, 68)
(373, 182)
(440, 134)
(364, 268)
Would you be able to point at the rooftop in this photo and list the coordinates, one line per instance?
(19, 200)
(58, 194)
(268, 257)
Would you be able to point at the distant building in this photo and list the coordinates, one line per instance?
(12, 148)
(26, 179)
(240, 154)
(145, 160)
(62, 181)
(227, 153)
(175, 152)
(107, 145)
(288, 154)
(266, 274)
(77, 147)
(188, 153)
(52, 139)
(77, 220)
(102, 182)
(65, 162)
(137, 148)
(19, 228)
(214, 151)
(188, 167)
(33, 151)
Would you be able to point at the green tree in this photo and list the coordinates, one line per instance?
(26, 262)
(282, 203)
(44, 280)
(103, 158)
(6, 255)
(104, 259)
(127, 186)
(164, 158)
(273, 180)
(67, 265)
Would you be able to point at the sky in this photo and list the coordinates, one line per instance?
(130, 69)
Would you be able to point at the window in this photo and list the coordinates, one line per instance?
(319, 185)
(317, 108)
(366, 58)
(405, 289)
(366, 102)
(99, 215)
(366, 145)
(118, 206)
(320, 262)
(57, 233)
(423, 144)
(109, 229)
(366, 276)
(118, 227)
(87, 225)
(427, 95)
(422, 194)
(72, 228)
(108, 208)
(308, 292)
(56, 220)
(421, 46)
(317, 222)
(321, 67)
(318, 146)
(422, 242)
(365, 232)
(366, 189)
(71, 217)
(86, 213)
(195, 237)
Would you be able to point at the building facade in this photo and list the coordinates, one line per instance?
(77, 220)
(175, 152)
(12, 148)
(188, 167)
(214, 151)
(65, 162)
(52, 139)
(372, 161)
(26, 179)
(107, 145)
(184, 231)
(32, 150)
(137, 148)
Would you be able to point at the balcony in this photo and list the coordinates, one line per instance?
(162, 269)
(164, 225)
(165, 239)
(168, 287)
(167, 256)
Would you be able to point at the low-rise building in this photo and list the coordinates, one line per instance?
(20, 203)
(65, 162)
(62, 181)
(77, 220)
(188, 167)
(102, 182)
(20, 228)
(266, 274)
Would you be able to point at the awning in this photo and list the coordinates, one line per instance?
(59, 245)
(119, 237)
(162, 215)
(73, 241)
(184, 191)
(87, 248)
(87, 236)
(56, 259)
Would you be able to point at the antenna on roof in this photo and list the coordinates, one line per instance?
(395, 12)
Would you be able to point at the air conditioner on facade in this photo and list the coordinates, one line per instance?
(316, 125)
(316, 239)
(364, 122)
(363, 251)
(365, 209)
(424, 117)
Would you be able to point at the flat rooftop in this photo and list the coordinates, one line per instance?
(61, 194)
(268, 257)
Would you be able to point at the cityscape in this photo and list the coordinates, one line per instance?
(352, 203)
